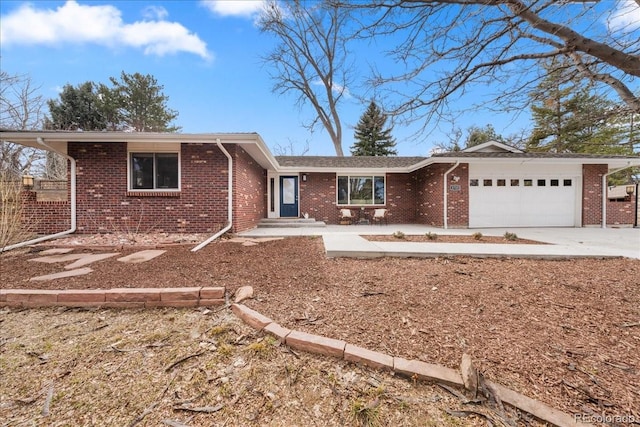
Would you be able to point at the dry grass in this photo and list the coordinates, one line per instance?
(195, 367)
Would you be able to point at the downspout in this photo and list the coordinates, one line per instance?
(446, 198)
(604, 193)
(73, 203)
(229, 200)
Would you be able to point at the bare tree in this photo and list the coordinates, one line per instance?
(20, 109)
(450, 46)
(310, 58)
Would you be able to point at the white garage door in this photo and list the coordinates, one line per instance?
(524, 195)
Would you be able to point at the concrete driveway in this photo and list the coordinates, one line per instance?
(342, 240)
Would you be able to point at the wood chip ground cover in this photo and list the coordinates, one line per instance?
(563, 332)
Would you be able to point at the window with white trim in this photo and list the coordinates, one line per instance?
(361, 190)
(154, 171)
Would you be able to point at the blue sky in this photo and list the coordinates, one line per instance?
(206, 54)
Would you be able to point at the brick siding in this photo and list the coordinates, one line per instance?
(618, 213)
(318, 198)
(592, 194)
(430, 196)
(105, 205)
(45, 217)
(249, 190)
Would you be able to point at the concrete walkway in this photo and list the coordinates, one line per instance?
(345, 241)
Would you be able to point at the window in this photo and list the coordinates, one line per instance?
(554, 182)
(487, 182)
(154, 171)
(501, 182)
(361, 190)
(566, 182)
(542, 182)
(528, 183)
(515, 182)
(473, 182)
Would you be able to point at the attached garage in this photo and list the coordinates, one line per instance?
(528, 194)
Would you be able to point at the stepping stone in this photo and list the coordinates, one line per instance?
(88, 259)
(141, 256)
(237, 240)
(70, 273)
(58, 258)
(56, 251)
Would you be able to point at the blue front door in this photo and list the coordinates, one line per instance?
(289, 196)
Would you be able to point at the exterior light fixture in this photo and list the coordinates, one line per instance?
(27, 182)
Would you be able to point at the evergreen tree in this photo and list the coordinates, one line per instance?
(77, 108)
(142, 105)
(569, 118)
(371, 137)
(135, 102)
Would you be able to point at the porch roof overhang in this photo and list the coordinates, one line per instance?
(251, 142)
(254, 145)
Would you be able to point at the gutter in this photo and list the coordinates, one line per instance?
(446, 201)
(604, 192)
(73, 203)
(229, 200)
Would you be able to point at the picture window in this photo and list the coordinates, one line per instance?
(361, 190)
(154, 171)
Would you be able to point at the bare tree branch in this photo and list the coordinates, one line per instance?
(450, 47)
(310, 59)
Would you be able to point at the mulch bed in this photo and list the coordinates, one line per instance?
(450, 238)
(563, 332)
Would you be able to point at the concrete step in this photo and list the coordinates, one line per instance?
(281, 220)
(290, 223)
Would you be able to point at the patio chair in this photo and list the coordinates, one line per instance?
(346, 216)
(380, 215)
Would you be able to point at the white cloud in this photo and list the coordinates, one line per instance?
(241, 8)
(336, 88)
(103, 25)
(625, 16)
(154, 12)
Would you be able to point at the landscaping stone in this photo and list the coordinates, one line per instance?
(277, 331)
(535, 407)
(243, 293)
(69, 273)
(372, 359)
(469, 373)
(56, 251)
(141, 256)
(52, 259)
(212, 292)
(316, 344)
(179, 294)
(427, 371)
(88, 259)
(81, 296)
(131, 295)
(250, 317)
(30, 295)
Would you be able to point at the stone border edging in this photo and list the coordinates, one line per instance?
(412, 368)
(114, 298)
